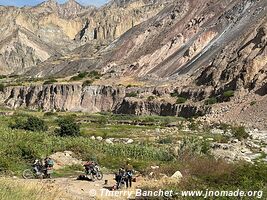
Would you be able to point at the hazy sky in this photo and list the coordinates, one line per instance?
(35, 2)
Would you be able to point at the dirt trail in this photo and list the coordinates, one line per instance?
(72, 189)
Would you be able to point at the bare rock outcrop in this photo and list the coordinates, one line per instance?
(74, 97)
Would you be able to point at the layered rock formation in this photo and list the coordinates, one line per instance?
(62, 28)
(92, 99)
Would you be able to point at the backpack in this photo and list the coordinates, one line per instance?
(50, 163)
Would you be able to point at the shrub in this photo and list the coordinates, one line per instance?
(181, 100)
(253, 103)
(240, 132)
(131, 94)
(68, 127)
(150, 98)
(48, 114)
(211, 101)
(87, 83)
(35, 124)
(229, 93)
(94, 74)
(50, 81)
(31, 123)
(2, 87)
(174, 94)
(80, 76)
(166, 140)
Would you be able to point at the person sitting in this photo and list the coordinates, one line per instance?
(89, 167)
(37, 166)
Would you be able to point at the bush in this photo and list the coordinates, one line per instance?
(174, 94)
(49, 114)
(50, 81)
(253, 103)
(181, 100)
(94, 74)
(68, 127)
(166, 140)
(87, 83)
(2, 87)
(80, 76)
(131, 94)
(229, 93)
(211, 101)
(35, 124)
(3, 76)
(31, 123)
(240, 132)
(150, 98)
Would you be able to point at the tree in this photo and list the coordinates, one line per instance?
(68, 127)
(32, 123)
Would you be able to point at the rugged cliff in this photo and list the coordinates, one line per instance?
(31, 35)
(93, 99)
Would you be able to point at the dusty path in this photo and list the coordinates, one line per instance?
(72, 189)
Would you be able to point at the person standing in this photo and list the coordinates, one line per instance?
(129, 174)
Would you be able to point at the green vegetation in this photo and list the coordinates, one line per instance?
(150, 98)
(210, 101)
(15, 190)
(228, 93)
(2, 87)
(82, 75)
(49, 114)
(202, 173)
(68, 127)
(252, 103)
(19, 147)
(50, 81)
(3, 76)
(87, 83)
(79, 77)
(94, 75)
(30, 123)
(181, 100)
(165, 140)
(132, 94)
(240, 132)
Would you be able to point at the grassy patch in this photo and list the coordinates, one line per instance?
(14, 190)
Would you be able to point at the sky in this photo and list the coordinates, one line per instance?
(35, 2)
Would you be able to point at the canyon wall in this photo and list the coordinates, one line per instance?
(92, 99)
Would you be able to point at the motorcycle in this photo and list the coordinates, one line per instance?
(42, 173)
(94, 172)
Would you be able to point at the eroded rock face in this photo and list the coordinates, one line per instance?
(64, 97)
(31, 35)
(139, 107)
(91, 99)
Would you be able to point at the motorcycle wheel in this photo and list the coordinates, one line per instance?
(99, 175)
(28, 174)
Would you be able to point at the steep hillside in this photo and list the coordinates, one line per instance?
(64, 27)
(218, 44)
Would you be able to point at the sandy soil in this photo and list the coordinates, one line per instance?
(73, 189)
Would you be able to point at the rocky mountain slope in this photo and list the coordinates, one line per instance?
(219, 44)
(31, 35)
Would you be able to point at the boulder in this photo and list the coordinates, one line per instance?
(177, 175)
(66, 158)
(109, 141)
(130, 141)
(93, 138)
